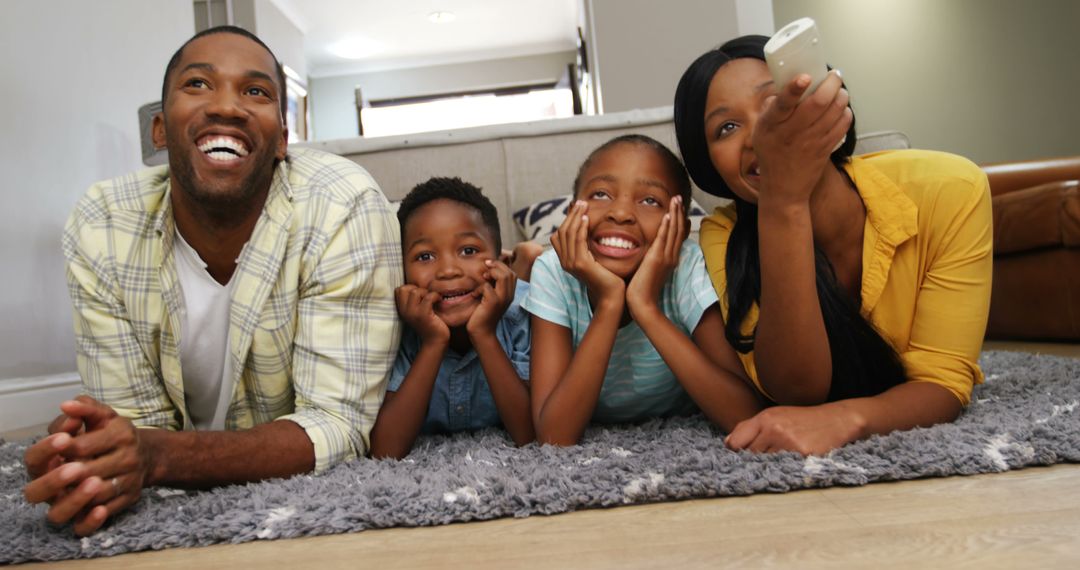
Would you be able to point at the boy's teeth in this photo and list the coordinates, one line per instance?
(223, 148)
(617, 242)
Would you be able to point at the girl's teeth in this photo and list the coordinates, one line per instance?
(616, 242)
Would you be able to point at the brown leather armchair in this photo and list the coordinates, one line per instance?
(1036, 291)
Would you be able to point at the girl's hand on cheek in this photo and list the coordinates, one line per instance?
(417, 309)
(660, 261)
(571, 243)
(793, 140)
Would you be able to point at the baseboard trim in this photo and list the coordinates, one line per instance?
(28, 402)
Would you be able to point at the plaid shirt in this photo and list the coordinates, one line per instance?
(313, 329)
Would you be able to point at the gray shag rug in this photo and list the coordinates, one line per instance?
(1025, 414)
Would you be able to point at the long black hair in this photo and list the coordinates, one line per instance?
(863, 363)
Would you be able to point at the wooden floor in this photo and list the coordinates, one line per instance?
(1021, 519)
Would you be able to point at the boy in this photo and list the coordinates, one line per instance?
(464, 357)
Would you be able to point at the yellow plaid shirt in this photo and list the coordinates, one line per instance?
(313, 329)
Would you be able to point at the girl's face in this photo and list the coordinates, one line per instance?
(628, 190)
(736, 96)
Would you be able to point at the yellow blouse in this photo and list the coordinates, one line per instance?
(927, 262)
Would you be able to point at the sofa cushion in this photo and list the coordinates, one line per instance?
(1008, 177)
(1047, 215)
(1036, 296)
(538, 221)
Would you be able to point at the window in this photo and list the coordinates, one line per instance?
(461, 110)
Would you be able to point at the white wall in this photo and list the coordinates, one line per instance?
(642, 47)
(333, 100)
(282, 35)
(74, 74)
(993, 80)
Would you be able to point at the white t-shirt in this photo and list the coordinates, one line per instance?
(204, 340)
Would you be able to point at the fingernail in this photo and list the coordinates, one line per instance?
(70, 471)
(92, 485)
(839, 73)
(61, 440)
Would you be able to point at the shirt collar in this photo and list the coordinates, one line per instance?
(889, 211)
(163, 219)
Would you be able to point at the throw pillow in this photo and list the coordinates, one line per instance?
(538, 221)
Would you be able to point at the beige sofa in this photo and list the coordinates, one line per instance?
(520, 164)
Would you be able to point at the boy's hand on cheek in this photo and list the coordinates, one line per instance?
(571, 242)
(496, 294)
(417, 309)
(660, 261)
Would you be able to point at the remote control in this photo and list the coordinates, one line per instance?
(796, 49)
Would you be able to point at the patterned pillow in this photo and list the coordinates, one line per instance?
(538, 221)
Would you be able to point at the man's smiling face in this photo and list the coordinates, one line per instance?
(222, 120)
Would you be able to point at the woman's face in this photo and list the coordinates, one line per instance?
(736, 96)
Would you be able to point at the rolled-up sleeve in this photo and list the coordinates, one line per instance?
(348, 331)
(953, 302)
(114, 367)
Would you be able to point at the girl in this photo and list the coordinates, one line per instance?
(855, 290)
(625, 325)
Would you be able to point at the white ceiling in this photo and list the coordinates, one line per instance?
(482, 29)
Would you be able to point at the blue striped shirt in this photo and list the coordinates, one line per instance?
(638, 383)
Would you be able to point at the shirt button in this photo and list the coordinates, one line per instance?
(460, 409)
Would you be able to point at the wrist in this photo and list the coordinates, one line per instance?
(150, 443)
(480, 332)
(434, 343)
(781, 206)
(857, 421)
(641, 306)
(612, 302)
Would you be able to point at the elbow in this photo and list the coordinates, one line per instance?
(559, 439)
(796, 390)
(802, 398)
(523, 439)
(381, 452)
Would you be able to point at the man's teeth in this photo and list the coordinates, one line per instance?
(223, 148)
(617, 242)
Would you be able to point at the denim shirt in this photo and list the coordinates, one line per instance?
(461, 398)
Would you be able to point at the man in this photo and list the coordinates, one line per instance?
(242, 284)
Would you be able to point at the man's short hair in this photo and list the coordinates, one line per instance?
(175, 60)
(456, 189)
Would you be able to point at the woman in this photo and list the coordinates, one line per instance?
(855, 289)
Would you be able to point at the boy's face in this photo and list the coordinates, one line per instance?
(445, 246)
(628, 190)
